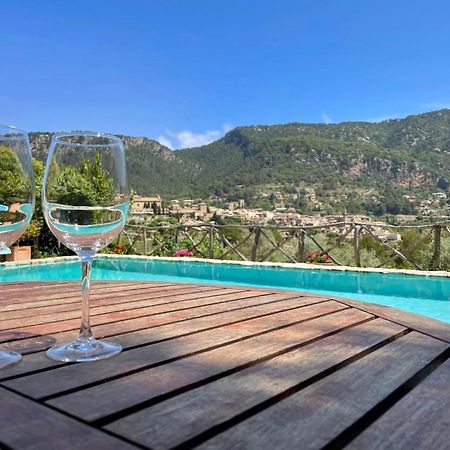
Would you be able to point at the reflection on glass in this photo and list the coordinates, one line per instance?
(16, 197)
(85, 201)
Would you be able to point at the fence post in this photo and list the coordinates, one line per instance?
(175, 238)
(356, 250)
(211, 242)
(436, 258)
(144, 238)
(255, 243)
(301, 246)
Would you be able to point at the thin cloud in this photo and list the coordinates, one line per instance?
(188, 139)
(164, 141)
(326, 118)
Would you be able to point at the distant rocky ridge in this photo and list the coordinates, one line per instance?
(410, 153)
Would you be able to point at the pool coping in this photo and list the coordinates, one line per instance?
(308, 266)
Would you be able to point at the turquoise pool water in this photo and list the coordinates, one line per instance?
(429, 296)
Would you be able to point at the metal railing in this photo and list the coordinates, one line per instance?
(255, 242)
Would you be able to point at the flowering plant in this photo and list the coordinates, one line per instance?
(183, 252)
(318, 257)
(120, 249)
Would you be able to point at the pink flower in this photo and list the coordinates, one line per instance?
(318, 257)
(183, 252)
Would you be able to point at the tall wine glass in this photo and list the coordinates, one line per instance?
(16, 197)
(85, 199)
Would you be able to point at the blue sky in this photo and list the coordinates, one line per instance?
(185, 71)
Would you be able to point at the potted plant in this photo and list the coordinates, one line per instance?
(22, 250)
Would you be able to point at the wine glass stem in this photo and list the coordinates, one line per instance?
(86, 267)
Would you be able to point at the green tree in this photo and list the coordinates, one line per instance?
(37, 222)
(88, 185)
(12, 179)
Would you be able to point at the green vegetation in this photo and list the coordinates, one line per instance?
(391, 158)
(354, 166)
(416, 244)
(12, 180)
(89, 185)
(380, 169)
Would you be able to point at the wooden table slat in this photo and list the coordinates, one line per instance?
(426, 325)
(109, 324)
(316, 415)
(43, 384)
(96, 402)
(418, 411)
(213, 366)
(261, 316)
(72, 301)
(25, 424)
(183, 417)
(187, 298)
(71, 290)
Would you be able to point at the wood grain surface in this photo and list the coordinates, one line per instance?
(210, 366)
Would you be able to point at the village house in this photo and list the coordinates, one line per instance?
(146, 204)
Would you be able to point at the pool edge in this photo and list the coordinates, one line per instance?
(423, 273)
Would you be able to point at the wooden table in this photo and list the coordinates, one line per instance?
(219, 367)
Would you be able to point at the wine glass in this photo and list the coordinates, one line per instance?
(85, 200)
(16, 198)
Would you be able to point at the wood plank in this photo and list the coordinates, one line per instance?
(9, 292)
(25, 424)
(156, 300)
(125, 392)
(314, 416)
(197, 367)
(426, 325)
(150, 312)
(174, 421)
(114, 324)
(74, 376)
(21, 285)
(72, 296)
(29, 363)
(420, 420)
(108, 300)
(257, 316)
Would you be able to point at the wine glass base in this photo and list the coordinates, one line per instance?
(8, 357)
(84, 350)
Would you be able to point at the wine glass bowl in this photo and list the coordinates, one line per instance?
(16, 185)
(16, 197)
(85, 200)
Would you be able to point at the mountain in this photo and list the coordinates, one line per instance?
(410, 152)
(152, 167)
(410, 155)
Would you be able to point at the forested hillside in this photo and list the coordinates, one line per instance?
(387, 159)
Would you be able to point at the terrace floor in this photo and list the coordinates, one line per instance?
(222, 367)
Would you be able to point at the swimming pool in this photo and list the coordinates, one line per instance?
(426, 295)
